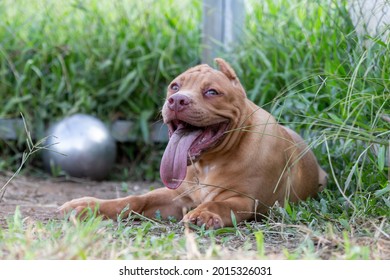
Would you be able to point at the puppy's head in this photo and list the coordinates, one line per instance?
(202, 96)
(202, 104)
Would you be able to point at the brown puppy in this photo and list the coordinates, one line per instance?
(225, 154)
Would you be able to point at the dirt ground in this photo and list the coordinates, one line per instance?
(40, 198)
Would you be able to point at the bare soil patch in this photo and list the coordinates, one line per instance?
(39, 198)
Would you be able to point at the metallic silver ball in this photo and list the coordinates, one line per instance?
(82, 146)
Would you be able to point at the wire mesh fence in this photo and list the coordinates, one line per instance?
(371, 18)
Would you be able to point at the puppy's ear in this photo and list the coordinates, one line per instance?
(226, 69)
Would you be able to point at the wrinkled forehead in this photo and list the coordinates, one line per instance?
(201, 75)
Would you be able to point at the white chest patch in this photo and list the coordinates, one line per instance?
(205, 191)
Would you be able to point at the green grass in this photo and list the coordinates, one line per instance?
(281, 236)
(301, 60)
(74, 56)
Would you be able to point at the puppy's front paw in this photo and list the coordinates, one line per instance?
(204, 217)
(78, 206)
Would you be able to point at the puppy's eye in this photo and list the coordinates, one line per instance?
(175, 87)
(212, 92)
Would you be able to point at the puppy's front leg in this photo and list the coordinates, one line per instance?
(163, 200)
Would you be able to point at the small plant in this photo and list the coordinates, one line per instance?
(32, 148)
(260, 244)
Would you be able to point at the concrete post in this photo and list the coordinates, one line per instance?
(223, 23)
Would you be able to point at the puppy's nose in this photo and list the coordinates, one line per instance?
(178, 102)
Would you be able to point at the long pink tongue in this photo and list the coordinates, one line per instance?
(173, 168)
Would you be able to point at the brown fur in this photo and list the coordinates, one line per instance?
(258, 162)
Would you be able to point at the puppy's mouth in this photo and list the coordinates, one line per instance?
(186, 144)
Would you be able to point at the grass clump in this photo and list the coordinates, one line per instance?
(109, 59)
